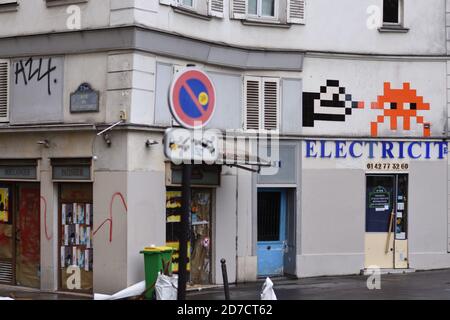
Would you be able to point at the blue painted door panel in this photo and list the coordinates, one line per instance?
(271, 253)
(270, 258)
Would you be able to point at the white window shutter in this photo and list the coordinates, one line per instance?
(238, 9)
(4, 90)
(271, 104)
(215, 8)
(252, 103)
(296, 11)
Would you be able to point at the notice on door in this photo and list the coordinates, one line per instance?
(379, 199)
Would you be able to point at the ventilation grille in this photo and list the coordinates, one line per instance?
(6, 272)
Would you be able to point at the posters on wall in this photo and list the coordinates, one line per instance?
(199, 246)
(4, 205)
(76, 249)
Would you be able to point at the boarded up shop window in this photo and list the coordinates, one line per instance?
(199, 247)
(76, 223)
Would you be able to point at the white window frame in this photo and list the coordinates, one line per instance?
(183, 5)
(400, 15)
(259, 15)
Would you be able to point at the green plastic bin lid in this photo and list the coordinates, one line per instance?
(157, 249)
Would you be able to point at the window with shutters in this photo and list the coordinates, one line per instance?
(204, 9)
(280, 12)
(8, 5)
(261, 103)
(4, 90)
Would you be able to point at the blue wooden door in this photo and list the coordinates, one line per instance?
(271, 232)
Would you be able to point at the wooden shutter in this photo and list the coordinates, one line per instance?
(271, 114)
(296, 11)
(4, 91)
(252, 96)
(216, 8)
(238, 9)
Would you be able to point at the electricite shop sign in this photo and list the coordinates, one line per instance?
(341, 149)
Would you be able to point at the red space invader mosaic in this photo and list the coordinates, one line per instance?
(400, 104)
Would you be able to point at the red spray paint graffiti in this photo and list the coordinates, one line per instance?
(29, 224)
(110, 219)
(47, 236)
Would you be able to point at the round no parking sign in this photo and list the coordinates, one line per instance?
(192, 98)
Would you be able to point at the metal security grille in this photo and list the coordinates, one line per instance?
(269, 216)
(6, 272)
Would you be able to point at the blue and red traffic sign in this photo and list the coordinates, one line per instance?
(192, 98)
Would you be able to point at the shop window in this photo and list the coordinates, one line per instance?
(4, 90)
(6, 236)
(262, 103)
(20, 234)
(199, 245)
(76, 215)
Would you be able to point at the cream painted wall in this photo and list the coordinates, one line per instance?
(34, 17)
(330, 26)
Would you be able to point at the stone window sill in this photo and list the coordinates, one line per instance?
(265, 23)
(393, 29)
(56, 3)
(191, 13)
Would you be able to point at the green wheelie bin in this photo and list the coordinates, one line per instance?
(156, 260)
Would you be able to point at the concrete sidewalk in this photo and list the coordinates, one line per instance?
(417, 285)
(19, 293)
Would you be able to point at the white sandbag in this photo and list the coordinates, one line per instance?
(133, 291)
(267, 291)
(166, 287)
(98, 296)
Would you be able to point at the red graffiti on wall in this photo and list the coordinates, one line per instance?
(29, 224)
(47, 236)
(110, 219)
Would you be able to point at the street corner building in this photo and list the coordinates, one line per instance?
(356, 92)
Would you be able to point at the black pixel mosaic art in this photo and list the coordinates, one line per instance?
(332, 103)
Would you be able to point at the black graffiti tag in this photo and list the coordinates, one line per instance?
(29, 70)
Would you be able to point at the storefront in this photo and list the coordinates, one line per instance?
(382, 204)
(75, 224)
(19, 223)
(201, 245)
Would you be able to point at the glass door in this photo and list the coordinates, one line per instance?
(380, 214)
